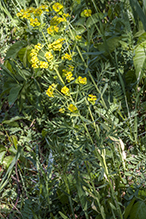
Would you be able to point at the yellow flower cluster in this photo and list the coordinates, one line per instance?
(69, 76)
(72, 108)
(57, 20)
(86, 13)
(34, 22)
(35, 62)
(31, 12)
(66, 56)
(43, 64)
(52, 29)
(33, 54)
(65, 90)
(92, 98)
(62, 110)
(81, 80)
(57, 7)
(56, 45)
(49, 56)
(68, 73)
(78, 37)
(50, 91)
(34, 59)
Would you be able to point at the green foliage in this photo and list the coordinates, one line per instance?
(73, 145)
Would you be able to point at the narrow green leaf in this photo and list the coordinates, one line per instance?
(136, 8)
(62, 215)
(13, 119)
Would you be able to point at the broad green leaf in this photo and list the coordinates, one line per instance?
(2, 154)
(142, 38)
(14, 92)
(7, 161)
(23, 55)
(12, 150)
(94, 19)
(2, 148)
(140, 59)
(110, 45)
(80, 30)
(128, 208)
(14, 49)
(138, 210)
(80, 22)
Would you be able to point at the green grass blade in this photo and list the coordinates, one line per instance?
(136, 8)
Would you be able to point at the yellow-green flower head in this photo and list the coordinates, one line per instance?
(69, 76)
(33, 52)
(38, 47)
(38, 12)
(71, 67)
(81, 80)
(65, 90)
(57, 7)
(56, 45)
(52, 29)
(66, 15)
(34, 22)
(31, 10)
(35, 65)
(49, 56)
(50, 90)
(34, 59)
(62, 110)
(43, 7)
(26, 15)
(19, 14)
(72, 108)
(78, 37)
(66, 56)
(86, 13)
(44, 64)
(92, 98)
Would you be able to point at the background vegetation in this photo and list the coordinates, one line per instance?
(73, 109)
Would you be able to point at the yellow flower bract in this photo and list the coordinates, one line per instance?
(49, 56)
(81, 80)
(72, 108)
(66, 56)
(86, 13)
(65, 90)
(62, 110)
(57, 7)
(92, 98)
(52, 29)
(50, 90)
(44, 64)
